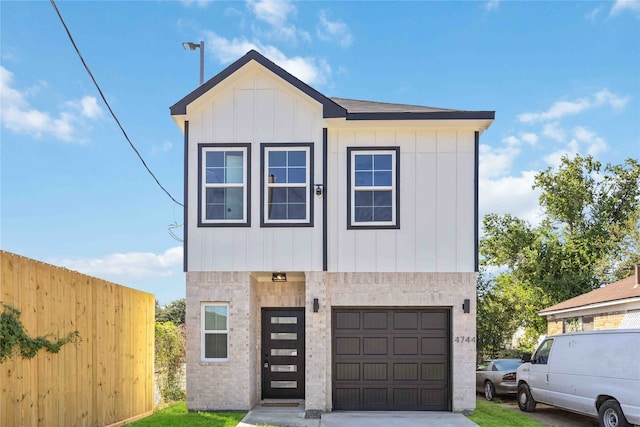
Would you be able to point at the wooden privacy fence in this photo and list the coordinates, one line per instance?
(105, 377)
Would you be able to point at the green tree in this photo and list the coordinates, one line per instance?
(587, 237)
(169, 360)
(173, 312)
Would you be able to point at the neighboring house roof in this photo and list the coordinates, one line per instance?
(334, 107)
(619, 291)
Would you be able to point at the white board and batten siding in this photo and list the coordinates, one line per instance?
(253, 106)
(436, 203)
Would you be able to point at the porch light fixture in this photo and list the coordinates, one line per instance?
(466, 305)
(279, 277)
(194, 46)
(316, 305)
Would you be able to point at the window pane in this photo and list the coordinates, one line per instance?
(364, 198)
(296, 195)
(215, 159)
(284, 368)
(278, 211)
(215, 195)
(364, 214)
(215, 175)
(278, 175)
(284, 384)
(363, 162)
(215, 212)
(297, 175)
(284, 320)
(382, 214)
(235, 175)
(382, 178)
(284, 336)
(277, 158)
(277, 195)
(215, 346)
(297, 211)
(297, 158)
(364, 178)
(215, 318)
(382, 162)
(284, 352)
(382, 198)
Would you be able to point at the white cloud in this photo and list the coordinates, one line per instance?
(166, 146)
(18, 115)
(591, 16)
(308, 69)
(582, 140)
(561, 109)
(510, 195)
(496, 162)
(492, 5)
(274, 12)
(198, 3)
(126, 268)
(625, 6)
(336, 31)
(554, 131)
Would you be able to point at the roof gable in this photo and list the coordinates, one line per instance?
(329, 107)
(348, 109)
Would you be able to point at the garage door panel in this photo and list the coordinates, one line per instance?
(395, 359)
(405, 321)
(375, 372)
(405, 346)
(348, 345)
(433, 346)
(375, 346)
(373, 321)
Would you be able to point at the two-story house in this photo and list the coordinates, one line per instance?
(330, 246)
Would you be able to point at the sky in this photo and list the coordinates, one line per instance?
(562, 77)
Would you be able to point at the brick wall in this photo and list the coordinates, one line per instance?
(608, 320)
(554, 327)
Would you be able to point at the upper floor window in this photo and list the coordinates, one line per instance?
(373, 187)
(224, 184)
(286, 184)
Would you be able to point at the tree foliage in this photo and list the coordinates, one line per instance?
(169, 360)
(587, 237)
(174, 312)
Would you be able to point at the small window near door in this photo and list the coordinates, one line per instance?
(215, 332)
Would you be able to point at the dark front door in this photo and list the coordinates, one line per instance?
(283, 353)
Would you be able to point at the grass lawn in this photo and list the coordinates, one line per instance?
(177, 416)
(491, 414)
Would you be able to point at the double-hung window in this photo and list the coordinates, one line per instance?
(224, 184)
(286, 185)
(373, 187)
(215, 332)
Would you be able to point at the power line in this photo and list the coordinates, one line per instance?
(86, 67)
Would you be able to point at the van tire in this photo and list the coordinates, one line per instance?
(610, 415)
(489, 390)
(525, 400)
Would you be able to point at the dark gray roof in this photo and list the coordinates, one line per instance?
(357, 106)
(350, 109)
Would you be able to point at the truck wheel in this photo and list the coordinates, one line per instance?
(610, 415)
(489, 390)
(525, 400)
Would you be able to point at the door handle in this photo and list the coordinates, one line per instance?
(266, 364)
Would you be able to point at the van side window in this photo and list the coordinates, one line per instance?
(542, 354)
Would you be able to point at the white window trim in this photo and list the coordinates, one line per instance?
(204, 332)
(354, 188)
(205, 185)
(305, 185)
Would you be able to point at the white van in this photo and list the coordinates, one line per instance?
(595, 373)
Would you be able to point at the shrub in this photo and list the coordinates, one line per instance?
(169, 358)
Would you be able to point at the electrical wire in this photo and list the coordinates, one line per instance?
(108, 106)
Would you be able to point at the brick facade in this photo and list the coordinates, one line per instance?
(236, 384)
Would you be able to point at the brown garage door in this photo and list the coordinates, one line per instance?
(391, 359)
